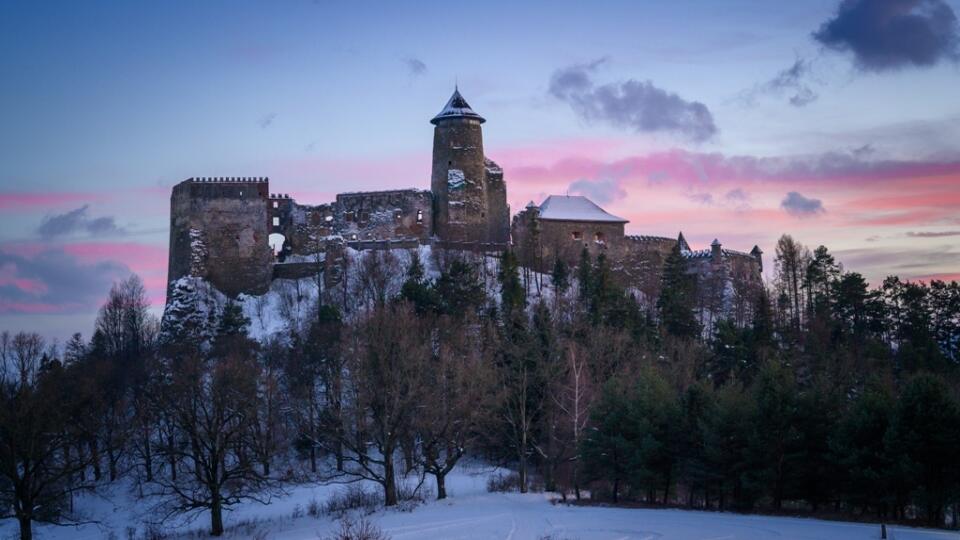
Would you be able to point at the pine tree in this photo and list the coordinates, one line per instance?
(607, 450)
(417, 290)
(678, 297)
(561, 277)
(585, 274)
(512, 294)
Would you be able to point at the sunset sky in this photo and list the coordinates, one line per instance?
(836, 122)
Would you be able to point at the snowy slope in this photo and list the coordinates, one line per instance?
(472, 513)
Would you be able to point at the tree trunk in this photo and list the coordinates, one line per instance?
(147, 454)
(406, 447)
(216, 516)
(616, 489)
(173, 460)
(441, 485)
(112, 463)
(522, 472)
(389, 481)
(95, 458)
(576, 481)
(313, 457)
(26, 529)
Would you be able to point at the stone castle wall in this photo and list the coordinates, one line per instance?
(219, 230)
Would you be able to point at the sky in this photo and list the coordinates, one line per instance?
(834, 121)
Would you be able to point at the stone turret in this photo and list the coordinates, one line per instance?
(758, 255)
(219, 230)
(469, 195)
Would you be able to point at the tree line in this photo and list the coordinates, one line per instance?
(813, 394)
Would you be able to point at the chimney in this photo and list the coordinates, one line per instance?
(715, 250)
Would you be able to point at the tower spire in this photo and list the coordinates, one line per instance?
(456, 107)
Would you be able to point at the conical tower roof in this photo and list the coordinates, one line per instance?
(457, 107)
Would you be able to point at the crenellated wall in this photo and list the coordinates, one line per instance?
(219, 230)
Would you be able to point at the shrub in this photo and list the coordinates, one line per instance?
(502, 483)
(314, 509)
(354, 497)
(358, 530)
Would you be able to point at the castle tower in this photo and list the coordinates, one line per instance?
(469, 196)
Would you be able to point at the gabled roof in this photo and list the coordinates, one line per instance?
(575, 208)
(456, 107)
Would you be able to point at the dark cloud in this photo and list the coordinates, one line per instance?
(913, 261)
(791, 83)
(705, 199)
(734, 199)
(892, 34)
(77, 221)
(631, 104)
(599, 191)
(737, 195)
(864, 151)
(267, 119)
(738, 199)
(415, 66)
(932, 234)
(54, 281)
(797, 205)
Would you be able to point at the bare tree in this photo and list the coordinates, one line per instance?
(212, 408)
(573, 398)
(38, 409)
(376, 277)
(455, 388)
(791, 260)
(385, 353)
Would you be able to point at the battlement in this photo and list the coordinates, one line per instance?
(649, 239)
(228, 180)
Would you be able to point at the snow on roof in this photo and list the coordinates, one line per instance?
(456, 107)
(575, 208)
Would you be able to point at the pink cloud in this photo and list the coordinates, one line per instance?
(9, 276)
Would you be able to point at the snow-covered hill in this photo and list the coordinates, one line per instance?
(469, 513)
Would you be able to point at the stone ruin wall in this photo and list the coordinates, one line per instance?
(636, 260)
(219, 231)
(498, 211)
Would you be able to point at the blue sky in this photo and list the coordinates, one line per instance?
(106, 105)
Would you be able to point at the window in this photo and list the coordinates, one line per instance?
(364, 217)
(576, 235)
(419, 216)
(348, 216)
(397, 215)
(276, 204)
(276, 222)
(599, 237)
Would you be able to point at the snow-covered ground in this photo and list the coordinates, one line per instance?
(472, 513)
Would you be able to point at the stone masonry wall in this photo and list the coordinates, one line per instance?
(219, 230)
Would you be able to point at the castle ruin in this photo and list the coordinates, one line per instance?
(239, 236)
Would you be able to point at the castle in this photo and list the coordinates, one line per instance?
(239, 236)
